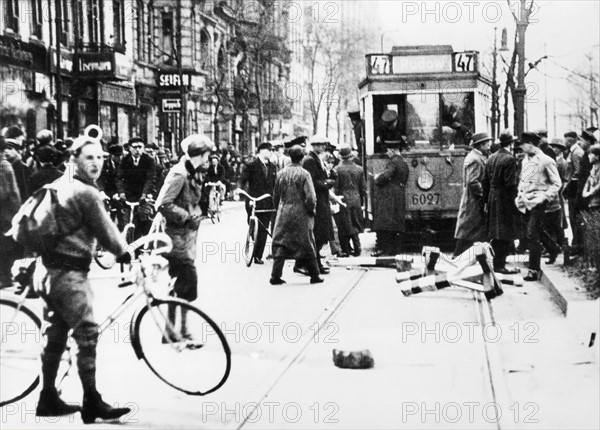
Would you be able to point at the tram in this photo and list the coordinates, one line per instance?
(440, 98)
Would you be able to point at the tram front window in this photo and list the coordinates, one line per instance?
(458, 118)
(422, 120)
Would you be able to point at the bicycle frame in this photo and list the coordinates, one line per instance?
(253, 201)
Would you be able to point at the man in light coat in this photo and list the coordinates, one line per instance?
(470, 225)
(538, 186)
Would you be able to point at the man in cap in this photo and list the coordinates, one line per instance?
(179, 202)
(499, 186)
(107, 182)
(388, 131)
(47, 172)
(576, 154)
(323, 222)
(389, 202)
(68, 294)
(14, 138)
(45, 138)
(470, 223)
(555, 220)
(135, 182)
(258, 178)
(543, 134)
(538, 186)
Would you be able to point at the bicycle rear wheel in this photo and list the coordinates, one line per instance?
(21, 345)
(182, 346)
(250, 242)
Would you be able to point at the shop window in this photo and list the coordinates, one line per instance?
(11, 15)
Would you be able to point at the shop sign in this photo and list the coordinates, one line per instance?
(171, 105)
(103, 65)
(66, 61)
(116, 94)
(172, 80)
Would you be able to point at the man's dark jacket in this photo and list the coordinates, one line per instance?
(136, 181)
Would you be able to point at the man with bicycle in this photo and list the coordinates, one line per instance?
(135, 183)
(64, 278)
(179, 202)
(257, 179)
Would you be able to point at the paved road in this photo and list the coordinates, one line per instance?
(439, 360)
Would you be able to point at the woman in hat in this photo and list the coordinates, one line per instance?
(591, 191)
(470, 224)
(350, 183)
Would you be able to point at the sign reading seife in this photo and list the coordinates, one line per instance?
(174, 81)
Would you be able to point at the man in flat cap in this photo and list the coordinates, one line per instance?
(388, 131)
(108, 178)
(555, 219)
(470, 223)
(543, 134)
(499, 191)
(258, 178)
(576, 154)
(47, 172)
(538, 186)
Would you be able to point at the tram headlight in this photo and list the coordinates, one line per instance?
(425, 180)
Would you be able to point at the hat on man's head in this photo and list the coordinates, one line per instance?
(265, 145)
(319, 139)
(46, 154)
(300, 140)
(345, 151)
(152, 146)
(197, 144)
(571, 134)
(595, 149)
(136, 140)
(542, 132)
(277, 144)
(479, 138)
(586, 135)
(115, 149)
(558, 143)
(45, 137)
(13, 132)
(506, 138)
(530, 137)
(389, 116)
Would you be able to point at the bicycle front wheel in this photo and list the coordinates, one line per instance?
(250, 242)
(20, 350)
(182, 346)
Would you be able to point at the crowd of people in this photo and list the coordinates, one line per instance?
(523, 189)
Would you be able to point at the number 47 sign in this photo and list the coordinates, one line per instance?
(465, 61)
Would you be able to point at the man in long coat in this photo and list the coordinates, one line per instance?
(499, 191)
(389, 209)
(323, 222)
(295, 199)
(470, 225)
(350, 183)
(257, 179)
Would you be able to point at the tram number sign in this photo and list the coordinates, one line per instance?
(420, 199)
(464, 61)
(380, 65)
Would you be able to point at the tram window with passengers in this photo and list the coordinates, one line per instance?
(434, 99)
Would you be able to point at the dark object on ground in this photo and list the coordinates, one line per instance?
(353, 359)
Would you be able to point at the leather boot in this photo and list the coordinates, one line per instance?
(94, 407)
(51, 405)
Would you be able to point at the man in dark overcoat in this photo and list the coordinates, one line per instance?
(296, 201)
(499, 192)
(389, 209)
(257, 179)
(470, 225)
(351, 184)
(312, 162)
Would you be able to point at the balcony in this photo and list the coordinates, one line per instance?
(100, 48)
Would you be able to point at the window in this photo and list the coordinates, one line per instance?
(204, 50)
(167, 37)
(11, 15)
(150, 33)
(141, 31)
(36, 18)
(119, 23)
(458, 118)
(93, 21)
(422, 119)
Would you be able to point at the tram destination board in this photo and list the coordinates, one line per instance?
(390, 64)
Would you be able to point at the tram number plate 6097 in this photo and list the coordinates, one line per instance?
(425, 199)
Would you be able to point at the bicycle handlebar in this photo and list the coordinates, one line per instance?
(154, 237)
(254, 199)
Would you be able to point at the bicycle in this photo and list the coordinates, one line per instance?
(105, 259)
(180, 344)
(214, 201)
(252, 225)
